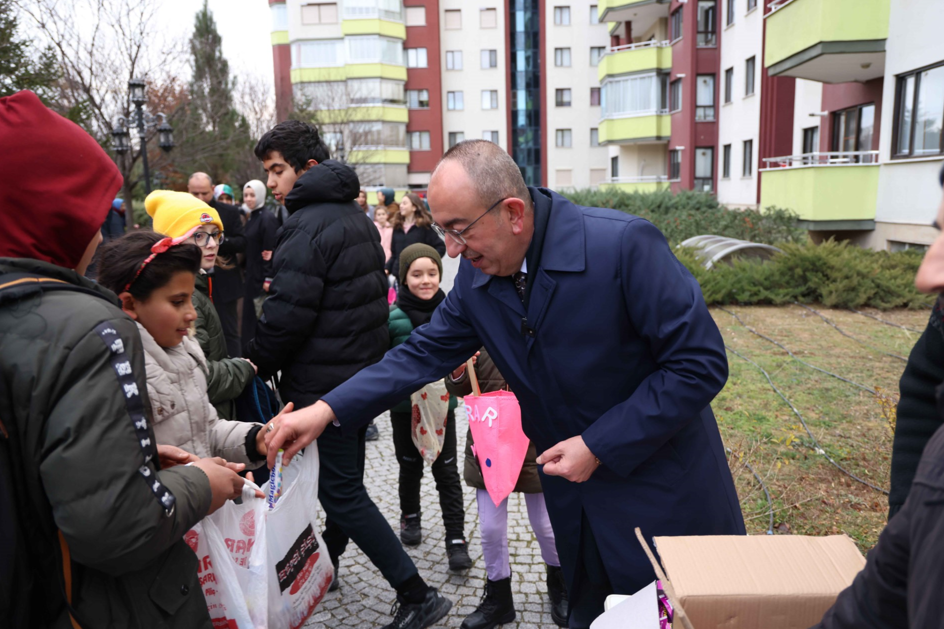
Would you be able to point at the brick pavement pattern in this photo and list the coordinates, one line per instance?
(365, 599)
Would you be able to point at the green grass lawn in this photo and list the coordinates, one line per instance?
(809, 495)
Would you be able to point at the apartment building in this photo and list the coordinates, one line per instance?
(867, 119)
(395, 84)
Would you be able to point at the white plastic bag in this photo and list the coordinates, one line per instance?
(430, 406)
(261, 567)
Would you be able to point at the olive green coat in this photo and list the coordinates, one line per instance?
(490, 379)
(226, 377)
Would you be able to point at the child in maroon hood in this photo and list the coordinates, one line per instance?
(91, 526)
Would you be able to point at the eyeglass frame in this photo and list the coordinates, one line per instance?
(457, 234)
(218, 237)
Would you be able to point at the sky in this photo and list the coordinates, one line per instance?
(245, 26)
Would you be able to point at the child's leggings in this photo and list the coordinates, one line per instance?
(493, 526)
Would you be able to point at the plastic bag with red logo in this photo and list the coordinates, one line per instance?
(263, 567)
(430, 406)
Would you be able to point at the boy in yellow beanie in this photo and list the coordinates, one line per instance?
(177, 214)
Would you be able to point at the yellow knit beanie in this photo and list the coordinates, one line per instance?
(176, 213)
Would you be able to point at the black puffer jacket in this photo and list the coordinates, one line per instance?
(325, 316)
(917, 417)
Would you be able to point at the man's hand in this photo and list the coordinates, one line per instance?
(225, 483)
(266, 255)
(261, 442)
(294, 431)
(254, 368)
(170, 456)
(570, 459)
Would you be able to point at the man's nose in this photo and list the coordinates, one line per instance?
(454, 249)
(270, 182)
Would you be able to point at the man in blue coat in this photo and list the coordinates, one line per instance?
(606, 341)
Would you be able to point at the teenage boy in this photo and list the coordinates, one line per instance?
(323, 320)
(91, 527)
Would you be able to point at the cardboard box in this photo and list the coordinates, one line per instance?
(757, 582)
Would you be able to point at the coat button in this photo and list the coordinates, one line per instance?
(184, 589)
(173, 405)
(160, 410)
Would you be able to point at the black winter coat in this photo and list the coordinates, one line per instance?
(900, 585)
(917, 416)
(401, 240)
(325, 316)
(228, 283)
(261, 235)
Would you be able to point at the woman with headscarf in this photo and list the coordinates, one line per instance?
(261, 228)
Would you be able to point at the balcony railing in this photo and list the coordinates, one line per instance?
(836, 158)
(638, 46)
(635, 114)
(643, 179)
(371, 13)
(776, 4)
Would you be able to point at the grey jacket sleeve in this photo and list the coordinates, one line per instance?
(227, 378)
(91, 462)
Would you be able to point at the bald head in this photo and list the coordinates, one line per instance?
(201, 186)
(490, 172)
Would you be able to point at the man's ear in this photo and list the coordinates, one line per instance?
(515, 210)
(128, 304)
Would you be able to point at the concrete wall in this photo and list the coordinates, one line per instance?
(808, 100)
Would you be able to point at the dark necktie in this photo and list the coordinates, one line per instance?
(521, 282)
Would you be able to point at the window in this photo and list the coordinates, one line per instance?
(726, 162)
(455, 137)
(594, 14)
(675, 27)
(491, 136)
(704, 169)
(562, 97)
(595, 53)
(852, 129)
(675, 95)
(642, 94)
(453, 19)
(597, 176)
(705, 97)
(489, 59)
(417, 99)
(279, 17)
(416, 57)
(562, 57)
(453, 59)
(324, 53)
(320, 13)
(489, 99)
(614, 167)
(454, 101)
(564, 138)
(562, 16)
(594, 96)
(706, 23)
(372, 9)
(747, 169)
(751, 5)
(415, 16)
(675, 165)
(565, 177)
(811, 140)
(418, 140)
(919, 113)
(374, 49)
(488, 18)
(594, 137)
(730, 12)
(728, 84)
(749, 77)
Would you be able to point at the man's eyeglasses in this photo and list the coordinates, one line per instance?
(456, 235)
(202, 238)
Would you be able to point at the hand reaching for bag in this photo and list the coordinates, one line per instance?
(225, 483)
(169, 456)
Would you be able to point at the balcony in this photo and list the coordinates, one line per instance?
(637, 129)
(650, 55)
(829, 191)
(642, 13)
(652, 183)
(831, 41)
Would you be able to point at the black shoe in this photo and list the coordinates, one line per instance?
(458, 552)
(557, 592)
(496, 608)
(419, 615)
(411, 530)
(335, 581)
(373, 433)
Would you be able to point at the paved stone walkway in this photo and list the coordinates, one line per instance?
(365, 598)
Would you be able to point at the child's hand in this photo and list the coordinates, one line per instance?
(170, 456)
(265, 285)
(254, 368)
(266, 255)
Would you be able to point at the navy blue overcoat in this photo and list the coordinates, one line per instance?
(619, 347)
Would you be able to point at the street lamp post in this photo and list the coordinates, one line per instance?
(142, 122)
